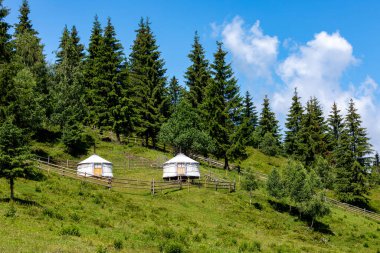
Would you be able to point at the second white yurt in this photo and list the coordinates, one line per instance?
(181, 167)
(95, 166)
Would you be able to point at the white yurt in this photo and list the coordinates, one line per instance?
(95, 166)
(181, 167)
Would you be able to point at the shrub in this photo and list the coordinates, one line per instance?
(118, 244)
(249, 183)
(269, 145)
(70, 230)
(171, 247)
(11, 212)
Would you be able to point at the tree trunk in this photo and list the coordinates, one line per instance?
(226, 166)
(312, 223)
(12, 184)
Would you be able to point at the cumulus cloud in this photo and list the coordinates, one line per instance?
(316, 68)
(254, 53)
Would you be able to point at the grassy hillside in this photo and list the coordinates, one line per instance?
(64, 215)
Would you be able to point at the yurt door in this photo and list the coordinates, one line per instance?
(181, 169)
(98, 170)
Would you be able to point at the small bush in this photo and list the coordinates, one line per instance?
(118, 244)
(168, 233)
(250, 247)
(76, 141)
(70, 230)
(101, 249)
(11, 212)
(249, 182)
(171, 247)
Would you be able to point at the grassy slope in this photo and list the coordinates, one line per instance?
(200, 220)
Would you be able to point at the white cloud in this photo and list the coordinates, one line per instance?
(254, 53)
(316, 70)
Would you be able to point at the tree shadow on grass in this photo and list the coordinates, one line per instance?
(23, 202)
(293, 211)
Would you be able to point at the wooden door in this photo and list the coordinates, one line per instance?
(181, 170)
(98, 170)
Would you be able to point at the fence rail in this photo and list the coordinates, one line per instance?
(153, 186)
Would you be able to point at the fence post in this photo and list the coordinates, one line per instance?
(109, 183)
(152, 188)
(48, 159)
(188, 185)
(180, 184)
(216, 185)
(234, 185)
(67, 163)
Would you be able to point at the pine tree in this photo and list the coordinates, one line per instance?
(25, 24)
(275, 186)
(377, 160)
(175, 92)
(148, 83)
(249, 119)
(5, 37)
(335, 124)
(358, 140)
(198, 74)
(351, 184)
(29, 54)
(78, 48)
(222, 105)
(115, 111)
(313, 134)
(293, 124)
(92, 69)
(268, 123)
(14, 155)
(68, 90)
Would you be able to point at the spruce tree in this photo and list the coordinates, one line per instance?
(92, 70)
(249, 119)
(222, 107)
(148, 83)
(175, 92)
(268, 126)
(335, 128)
(351, 184)
(115, 111)
(313, 134)
(15, 155)
(198, 74)
(25, 24)
(5, 37)
(358, 140)
(29, 54)
(68, 90)
(293, 124)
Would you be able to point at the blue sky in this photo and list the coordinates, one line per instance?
(325, 48)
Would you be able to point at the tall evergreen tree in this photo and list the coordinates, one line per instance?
(15, 155)
(175, 92)
(68, 91)
(249, 119)
(25, 24)
(358, 142)
(198, 74)
(5, 37)
(148, 81)
(222, 105)
(351, 184)
(335, 124)
(293, 124)
(268, 122)
(115, 111)
(313, 134)
(92, 69)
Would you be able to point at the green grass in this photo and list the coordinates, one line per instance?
(64, 215)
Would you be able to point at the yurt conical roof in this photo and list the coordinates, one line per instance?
(95, 159)
(181, 158)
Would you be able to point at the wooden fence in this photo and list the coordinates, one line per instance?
(264, 177)
(154, 186)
